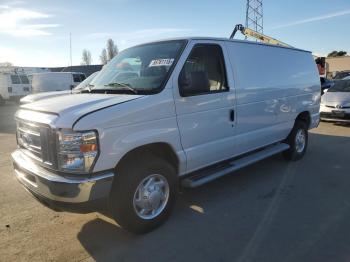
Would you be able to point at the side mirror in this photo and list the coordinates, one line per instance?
(195, 84)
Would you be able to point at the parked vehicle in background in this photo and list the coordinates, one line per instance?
(55, 81)
(325, 84)
(341, 75)
(335, 104)
(13, 86)
(346, 78)
(44, 95)
(183, 111)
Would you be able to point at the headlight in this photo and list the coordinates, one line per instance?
(77, 151)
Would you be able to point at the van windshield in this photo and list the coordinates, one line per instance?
(24, 79)
(141, 69)
(15, 80)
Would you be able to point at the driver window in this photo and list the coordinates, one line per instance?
(203, 71)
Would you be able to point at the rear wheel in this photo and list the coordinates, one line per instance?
(143, 194)
(298, 141)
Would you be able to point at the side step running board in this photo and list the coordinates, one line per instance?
(202, 177)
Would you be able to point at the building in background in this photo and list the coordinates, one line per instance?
(337, 64)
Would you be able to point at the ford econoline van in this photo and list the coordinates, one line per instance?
(164, 114)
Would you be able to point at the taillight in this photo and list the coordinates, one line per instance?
(9, 89)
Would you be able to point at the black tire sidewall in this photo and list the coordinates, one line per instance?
(292, 153)
(124, 187)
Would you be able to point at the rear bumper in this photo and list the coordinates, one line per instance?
(328, 116)
(71, 194)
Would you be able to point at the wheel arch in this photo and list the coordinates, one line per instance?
(305, 117)
(159, 149)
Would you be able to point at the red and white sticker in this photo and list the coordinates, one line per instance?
(162, 62)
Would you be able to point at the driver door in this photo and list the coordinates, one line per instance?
(204, 100)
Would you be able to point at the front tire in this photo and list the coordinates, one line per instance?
(143, 194)
(298, 141)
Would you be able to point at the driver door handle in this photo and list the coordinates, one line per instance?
(232, 115)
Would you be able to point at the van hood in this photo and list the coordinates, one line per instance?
(44, 95)
(73, 106)
(336, 97)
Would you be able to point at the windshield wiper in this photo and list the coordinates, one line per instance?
(85, 89)
(123, 85)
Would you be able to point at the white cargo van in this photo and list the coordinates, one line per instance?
(55, 81)
(13, 86)
(166, 113)
(44, 95)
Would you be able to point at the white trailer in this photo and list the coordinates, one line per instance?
(55, 81)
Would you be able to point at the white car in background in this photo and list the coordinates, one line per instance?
(45, 95)
(335, 103)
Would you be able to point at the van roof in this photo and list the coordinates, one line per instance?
(227, 40)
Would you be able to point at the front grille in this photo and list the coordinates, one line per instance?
(38, 141)
(29, 137)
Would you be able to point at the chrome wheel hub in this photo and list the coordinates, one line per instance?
(300, 140)
(151, 196)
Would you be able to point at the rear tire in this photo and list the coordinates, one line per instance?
(143, 193)
(298, 141)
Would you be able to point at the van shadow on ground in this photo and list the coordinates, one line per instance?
(217, 221)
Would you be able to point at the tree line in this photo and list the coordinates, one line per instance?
(337, 53)
(110, 51)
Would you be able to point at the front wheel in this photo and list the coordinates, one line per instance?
(298, 141)
(143, 194)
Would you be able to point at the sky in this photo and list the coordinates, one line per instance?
(36, 32)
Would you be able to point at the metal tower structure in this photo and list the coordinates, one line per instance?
(254, 16)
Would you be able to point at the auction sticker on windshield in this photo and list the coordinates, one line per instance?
(161, 62)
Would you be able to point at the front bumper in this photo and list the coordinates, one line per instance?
(78, 194)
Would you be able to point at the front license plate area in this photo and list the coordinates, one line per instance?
(338, 113)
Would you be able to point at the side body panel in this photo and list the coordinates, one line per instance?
(273, 85)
